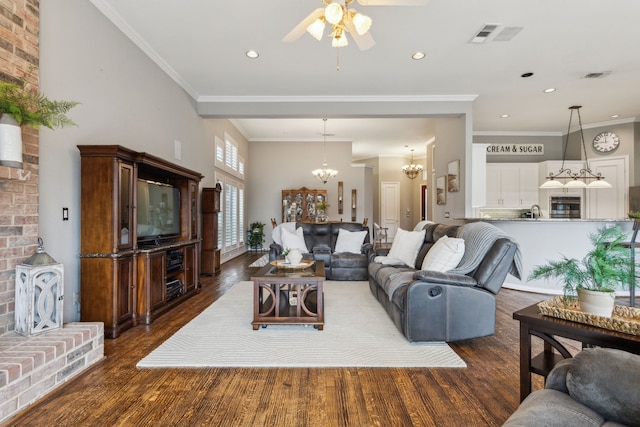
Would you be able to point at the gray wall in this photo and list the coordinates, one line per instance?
(125, 99)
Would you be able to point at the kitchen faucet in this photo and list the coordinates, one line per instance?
(533, 215)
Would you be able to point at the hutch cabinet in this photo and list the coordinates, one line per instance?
(300, 205)
(210, 211)
(131, 272)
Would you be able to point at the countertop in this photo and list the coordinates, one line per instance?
(547, 220)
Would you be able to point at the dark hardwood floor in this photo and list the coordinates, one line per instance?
(116, 393)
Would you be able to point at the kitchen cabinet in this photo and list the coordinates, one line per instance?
(512, 185)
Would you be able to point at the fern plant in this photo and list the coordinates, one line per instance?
(607, 265)
(33, 109)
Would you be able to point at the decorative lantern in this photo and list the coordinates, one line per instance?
(39, 294)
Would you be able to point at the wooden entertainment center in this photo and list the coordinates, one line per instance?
(131, 273)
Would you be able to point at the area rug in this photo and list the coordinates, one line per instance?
(260, 262)
(357, 333)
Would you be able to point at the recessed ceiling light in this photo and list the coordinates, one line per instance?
(614, 116)
(504, 116)
(525, 75)
(418, 55)
(551, 89)
(252, 54)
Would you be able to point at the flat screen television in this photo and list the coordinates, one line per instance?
(158, 211)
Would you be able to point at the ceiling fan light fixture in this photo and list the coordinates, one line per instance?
(362, 23)
(333, 13)
(339, 39)
(316, 29)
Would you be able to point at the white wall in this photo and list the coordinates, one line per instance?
(451, 144)
(125, 99)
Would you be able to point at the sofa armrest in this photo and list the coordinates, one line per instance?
(557, 378)
(430, 276)
(275, 251)
(366, 249)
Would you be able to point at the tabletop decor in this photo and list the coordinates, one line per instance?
(623, 319)
(605, 267)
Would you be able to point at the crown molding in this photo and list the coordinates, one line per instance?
(341, 98)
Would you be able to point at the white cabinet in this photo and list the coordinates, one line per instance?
(512, 185)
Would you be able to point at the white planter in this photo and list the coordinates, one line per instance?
(294, 256)
(595, 302)
(10, 142)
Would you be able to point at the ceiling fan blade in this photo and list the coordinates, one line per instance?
(364, 41)
(392, 2)
(301, 28)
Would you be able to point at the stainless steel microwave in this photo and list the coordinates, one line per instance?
(565, 207)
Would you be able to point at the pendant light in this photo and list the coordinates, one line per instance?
(565, 178)
(412, 170)
(324, 174)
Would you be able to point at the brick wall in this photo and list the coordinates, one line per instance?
(19, 29)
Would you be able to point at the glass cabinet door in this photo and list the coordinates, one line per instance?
(126, 206)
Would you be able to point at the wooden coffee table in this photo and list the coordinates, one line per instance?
(283, 296)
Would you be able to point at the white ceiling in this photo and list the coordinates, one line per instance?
(201, 44)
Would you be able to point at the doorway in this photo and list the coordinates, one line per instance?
(390, 207)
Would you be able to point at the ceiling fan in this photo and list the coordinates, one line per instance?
(343, 20)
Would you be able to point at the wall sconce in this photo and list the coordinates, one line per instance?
(340, 210)
(353, 205)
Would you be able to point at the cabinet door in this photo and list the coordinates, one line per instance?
(510, 185)
(125, 221)
(157, 279)
(193, 200)
(529, 187)
(190, 271)
(125, 289)
(494, 194)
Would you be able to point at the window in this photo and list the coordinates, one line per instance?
(231, 154)
(219, 153)
(231, 222)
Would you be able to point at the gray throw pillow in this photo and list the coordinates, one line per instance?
(606, 380)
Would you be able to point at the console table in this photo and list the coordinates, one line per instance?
(534, 323)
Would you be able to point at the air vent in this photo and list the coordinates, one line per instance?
(598, 75)
(484, 33)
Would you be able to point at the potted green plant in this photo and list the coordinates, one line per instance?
(605, 267)
(20, 106)
(256, 235)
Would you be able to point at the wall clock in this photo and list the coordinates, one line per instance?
(606, 142)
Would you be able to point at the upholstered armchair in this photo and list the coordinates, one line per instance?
(597, 387)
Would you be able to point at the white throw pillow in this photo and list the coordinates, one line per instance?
(294, 240)
(444, 255)
(406, 245)
(350, 241)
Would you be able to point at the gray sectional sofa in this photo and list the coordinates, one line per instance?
(459, 304)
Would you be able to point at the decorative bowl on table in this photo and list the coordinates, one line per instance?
(283, 264)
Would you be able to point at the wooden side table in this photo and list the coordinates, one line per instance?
(534, 323)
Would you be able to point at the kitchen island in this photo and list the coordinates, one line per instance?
(544, 239)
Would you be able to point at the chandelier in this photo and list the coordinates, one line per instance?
(342, 20)
(565, 178)
(412, 169)
(324, 174)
